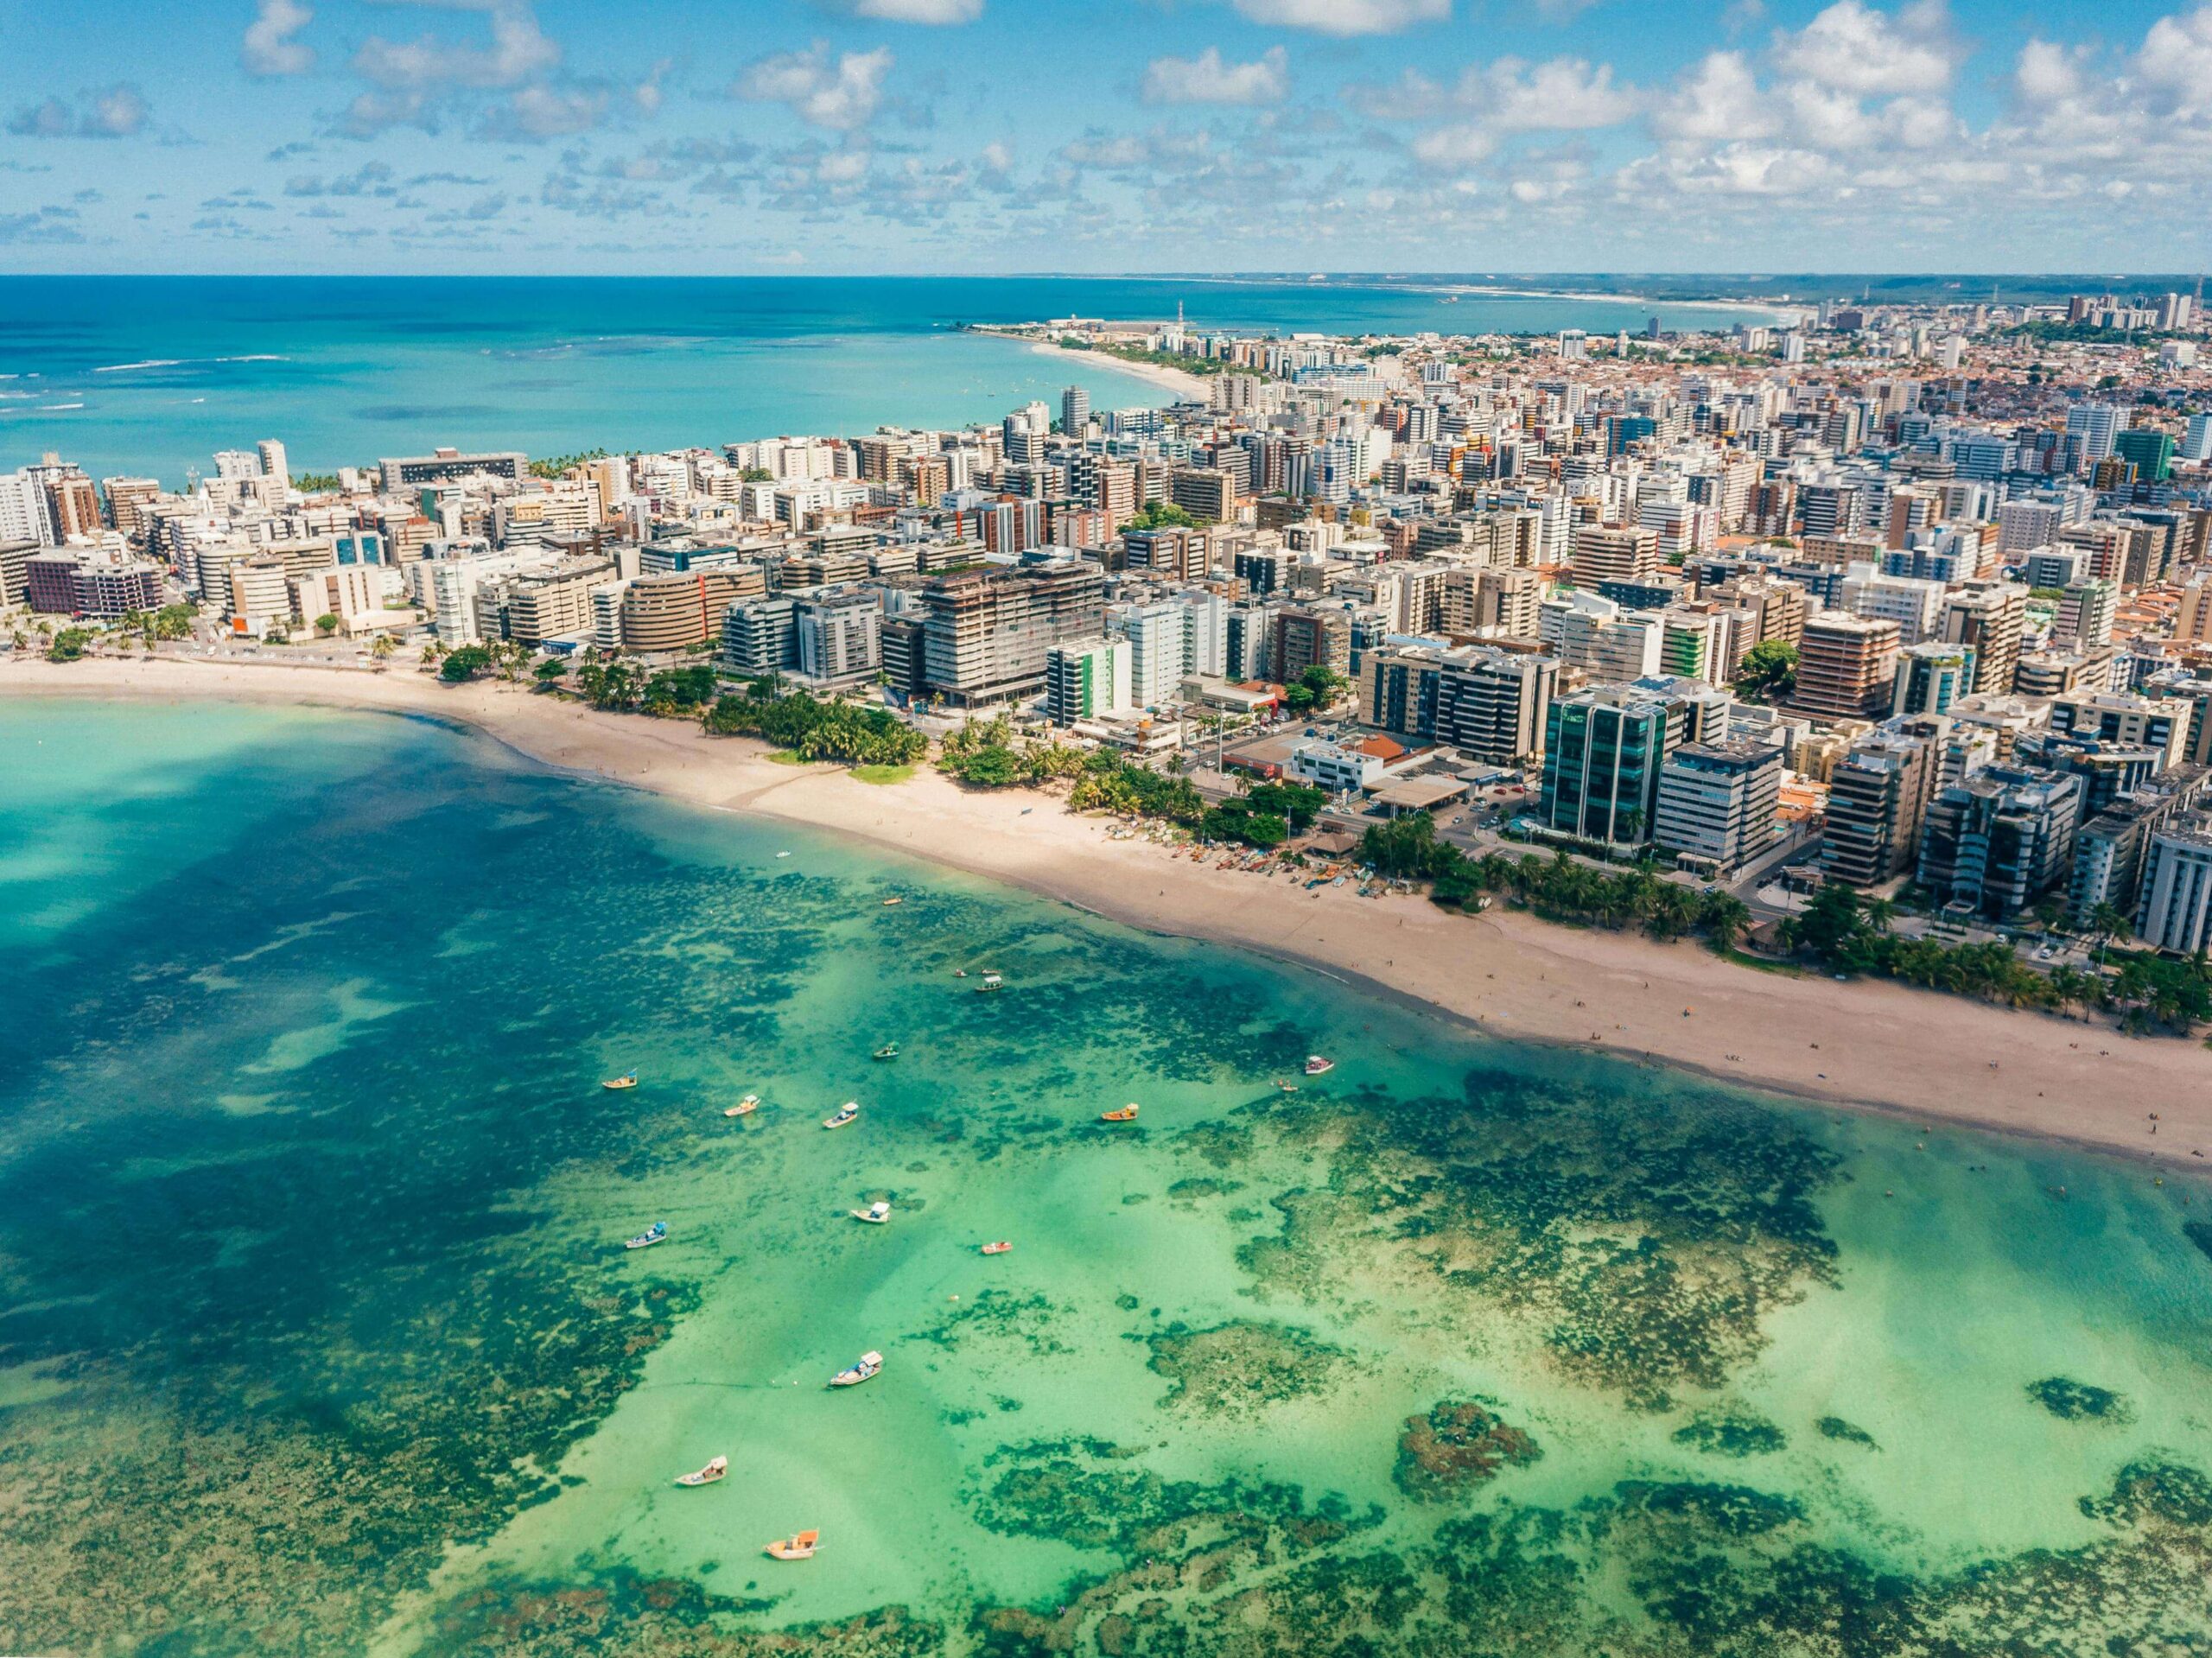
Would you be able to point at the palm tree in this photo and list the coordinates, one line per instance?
(1728, 918)
(2108, 922)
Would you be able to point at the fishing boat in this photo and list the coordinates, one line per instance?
(959, 972)
(888, 1050)
(657, 1233)
(706, 1476)
(846, 1113)
(859, 1371)
(998, 1249)
(800, 1547)
(744, 1106)
(875, 1214)
(628, 1079)
(991, 981)
(1127, 1113)
(893, 903)
(1317, 1066)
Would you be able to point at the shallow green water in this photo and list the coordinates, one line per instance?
(316, 1334)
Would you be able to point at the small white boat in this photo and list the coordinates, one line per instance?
(1317, 1066)
(783, 854)
(800, 1547)
(846, 1113)
(991, 981)
(627, 1079)
(657, 1233)
(875, 1214)
(706, 1476)
(998, 1249)
(744, 1106)
(861, 1369)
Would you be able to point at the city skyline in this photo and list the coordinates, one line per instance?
(865, 137)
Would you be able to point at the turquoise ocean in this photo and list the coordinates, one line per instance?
(317, 1335)
(151, 375)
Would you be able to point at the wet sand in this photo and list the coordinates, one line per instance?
(1866, 1044)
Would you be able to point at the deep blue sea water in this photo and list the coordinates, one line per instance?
(153, 375)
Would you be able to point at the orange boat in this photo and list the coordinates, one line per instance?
(1127, 1113)
(800, 1547)
(998, 1249)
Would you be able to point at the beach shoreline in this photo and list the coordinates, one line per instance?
(1936, 1059)
(1187, 387)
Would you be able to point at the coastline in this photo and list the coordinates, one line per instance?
(1186, 387)
(1936, 1059)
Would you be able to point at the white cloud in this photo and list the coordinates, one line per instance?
(535, 113)
(120, 111)
(2175, 61)
(1854, 48)
(1455, 148)
(519, 51)
(1345, 18)
(1207, 79)
(269, 47)
(1721, 101)
(2047, 73)
(1562, 95)
(920, 11)
(841, 95)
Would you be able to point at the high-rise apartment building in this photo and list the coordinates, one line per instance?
(1494, 706)
(1846, 667)
(1718, 802)
(986, 632)
(1877, 796)
(1614, 553)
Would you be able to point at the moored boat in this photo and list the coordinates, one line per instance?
(657, 1233)
(888, 1050)
(875, 1214)
(846, 1113)
(744, 1106)
(628, 1079)
(991, 981)
(998, 1249)
(893, 903)
(859, 1371)
(1317, 1066)
(800, 1547)
(706, 1476)
(1127, 1113)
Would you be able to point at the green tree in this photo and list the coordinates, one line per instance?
(2109, 923)
(69, 645)
(1161, 515)
(990, 767)
(466, 663)
(551, 671)
(1768, 672)
(1407, 847)
(1726, 918)
(325, 623)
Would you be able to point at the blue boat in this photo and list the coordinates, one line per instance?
(645, 1240)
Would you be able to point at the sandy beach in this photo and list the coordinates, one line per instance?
(1864, 1044)
(1187, 387)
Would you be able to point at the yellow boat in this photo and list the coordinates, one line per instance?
(744, 1106)
(800, 1547)
(628, 1079)
(1127, 1113)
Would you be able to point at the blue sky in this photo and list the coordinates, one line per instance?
(906, 136)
